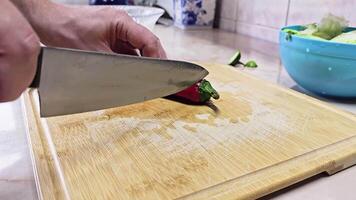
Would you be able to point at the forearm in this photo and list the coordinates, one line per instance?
(40, 14)
(33, 9)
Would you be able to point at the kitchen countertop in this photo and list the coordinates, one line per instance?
(16, 174)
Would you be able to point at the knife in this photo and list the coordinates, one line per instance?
(73, 81)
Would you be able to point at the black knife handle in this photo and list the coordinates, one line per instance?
(36, 80)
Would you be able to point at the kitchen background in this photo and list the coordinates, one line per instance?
(263, 19)
(252, 27)
(243, 20)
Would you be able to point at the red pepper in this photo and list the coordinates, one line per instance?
(200, 92)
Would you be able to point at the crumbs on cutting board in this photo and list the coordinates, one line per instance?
(238, 120)
(226, 87)
(202, 116)
(173, 135)
(223, 132)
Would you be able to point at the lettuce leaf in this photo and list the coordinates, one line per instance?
(309, 31)
(330, 27)
(349, 37)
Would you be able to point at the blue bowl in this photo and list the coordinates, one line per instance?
(322, 67)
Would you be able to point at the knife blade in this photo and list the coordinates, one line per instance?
(73, 81)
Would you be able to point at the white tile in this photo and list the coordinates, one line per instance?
(268, 66)
(338, 186)
(270, 13)
(18, 190)
(211, 45)
(285, 80)
(218, 46)
(15, 162)
(227, 25)
(309, 11)
(228, 9)
(16, 173)
(257, 31)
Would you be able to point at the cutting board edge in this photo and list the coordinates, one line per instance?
(26, 110)
(35, 135)
(333, 160)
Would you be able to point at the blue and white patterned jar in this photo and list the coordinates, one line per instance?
(194, 13)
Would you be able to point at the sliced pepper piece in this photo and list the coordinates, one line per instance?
(235, 59)
(200, 92)
(251, 64)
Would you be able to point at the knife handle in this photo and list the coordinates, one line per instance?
(36, 80)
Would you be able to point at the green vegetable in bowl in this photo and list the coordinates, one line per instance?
(290, 32)
(330, 27)
(349, 37)
(310, 37)
(306, 33)
(309, 29)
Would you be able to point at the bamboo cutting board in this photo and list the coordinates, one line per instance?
(257, 139)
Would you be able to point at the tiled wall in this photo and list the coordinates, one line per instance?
(263, 19)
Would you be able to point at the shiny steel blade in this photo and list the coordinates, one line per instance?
(73, 81)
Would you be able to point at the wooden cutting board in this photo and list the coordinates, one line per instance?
(258, 138)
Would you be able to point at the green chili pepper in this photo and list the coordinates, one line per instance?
(251, 64)
(207, 91)
(235, 59)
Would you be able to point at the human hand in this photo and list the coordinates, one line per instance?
(97, 28)
(19, 49)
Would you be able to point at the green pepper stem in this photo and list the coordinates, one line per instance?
(207, 91)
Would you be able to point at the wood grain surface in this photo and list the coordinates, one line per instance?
(258, 138)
